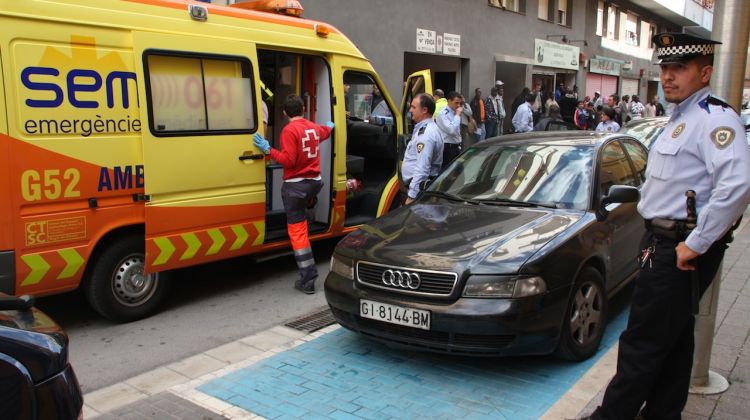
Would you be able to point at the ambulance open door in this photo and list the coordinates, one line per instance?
(416, 83)
(205, 181)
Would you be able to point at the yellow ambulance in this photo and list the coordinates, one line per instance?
(126, 141)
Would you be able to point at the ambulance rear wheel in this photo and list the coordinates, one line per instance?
(117, 287)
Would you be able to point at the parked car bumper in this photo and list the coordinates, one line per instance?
(471, 326)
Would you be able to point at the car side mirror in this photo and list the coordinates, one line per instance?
(617, 194)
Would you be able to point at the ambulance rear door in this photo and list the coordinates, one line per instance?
(204, 179)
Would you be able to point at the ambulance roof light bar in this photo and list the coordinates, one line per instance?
(281, 7)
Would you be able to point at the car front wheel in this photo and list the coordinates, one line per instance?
(585, 317)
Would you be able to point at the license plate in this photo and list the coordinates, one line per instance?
(415, 318)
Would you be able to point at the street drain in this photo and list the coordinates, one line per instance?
(314, 321)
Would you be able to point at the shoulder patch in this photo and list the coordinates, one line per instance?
(677, 131)
(722, 137)
(420, 146)
(421, 130)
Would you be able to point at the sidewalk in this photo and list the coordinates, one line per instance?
(333, 373)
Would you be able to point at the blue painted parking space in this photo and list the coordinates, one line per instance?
(341, 375)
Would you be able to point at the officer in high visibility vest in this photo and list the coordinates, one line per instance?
(300, 157)
(702, 149)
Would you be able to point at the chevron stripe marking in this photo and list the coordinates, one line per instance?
(73, 262)
(242, 236)
(260, 227)
(193, 244)
(39, 268)
(218, 241)
(166, 249)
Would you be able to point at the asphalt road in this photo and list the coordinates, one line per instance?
(209, 305)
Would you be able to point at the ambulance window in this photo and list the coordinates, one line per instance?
(199, 95)
(364, 100)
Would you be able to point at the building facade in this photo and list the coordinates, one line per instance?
(586, 45)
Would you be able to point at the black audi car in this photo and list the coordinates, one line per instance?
(36, 379)
(514, 249)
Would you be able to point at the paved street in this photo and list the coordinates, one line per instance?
(209, 305)
(333, 373)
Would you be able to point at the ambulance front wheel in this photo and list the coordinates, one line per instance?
(117, 287)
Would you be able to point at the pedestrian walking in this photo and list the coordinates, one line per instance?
(523, 121)
(636, 108)
(518, 101)
(477, 107)
(449, 123)
(467, 118)
(650, 109)
(700, 154)
(424, 153)
(300, 158)
(494, 107)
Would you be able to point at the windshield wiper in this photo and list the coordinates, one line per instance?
(507, 201)
(449, 196)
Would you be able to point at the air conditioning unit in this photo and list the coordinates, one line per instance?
(628, 65)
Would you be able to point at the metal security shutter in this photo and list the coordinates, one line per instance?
(606, 85)
(609, 86)
(593, 83)
(629, 87)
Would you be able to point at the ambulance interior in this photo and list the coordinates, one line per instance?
(371, 157)
(281, 74)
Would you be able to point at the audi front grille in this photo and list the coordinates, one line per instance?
(402, 279)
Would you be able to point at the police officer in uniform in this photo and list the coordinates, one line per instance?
(701, 149)
(449, 122)
(424, 153)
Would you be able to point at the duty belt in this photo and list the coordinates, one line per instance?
(678, 230)
(673, 229)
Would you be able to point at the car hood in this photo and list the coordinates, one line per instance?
(438, 234)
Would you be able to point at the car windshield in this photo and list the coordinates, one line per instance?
(556, 175)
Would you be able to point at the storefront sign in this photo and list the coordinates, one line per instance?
(451, 44)
(597, 65)
(426, 40)
(552, 54)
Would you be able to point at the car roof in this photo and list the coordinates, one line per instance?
(568, 138)
(645, 121)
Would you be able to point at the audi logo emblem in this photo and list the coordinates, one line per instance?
(402, 279)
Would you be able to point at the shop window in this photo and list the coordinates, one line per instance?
(197, 95)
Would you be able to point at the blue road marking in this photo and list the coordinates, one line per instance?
(341, 375)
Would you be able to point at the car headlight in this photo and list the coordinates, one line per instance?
(343, 267)
(504, 286)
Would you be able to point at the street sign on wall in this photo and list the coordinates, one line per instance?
(426, 40)
(552, 54)
(451, 44)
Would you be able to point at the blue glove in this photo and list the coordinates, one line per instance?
(262, 143)
(329, 124)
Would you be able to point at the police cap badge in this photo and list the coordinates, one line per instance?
(673, 47)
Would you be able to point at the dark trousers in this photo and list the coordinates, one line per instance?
(491, 127)
(296, 197)
(450, 151)
(656, 349)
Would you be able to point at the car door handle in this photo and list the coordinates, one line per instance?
(257, 156)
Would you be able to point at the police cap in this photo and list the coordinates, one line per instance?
(673, 47)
